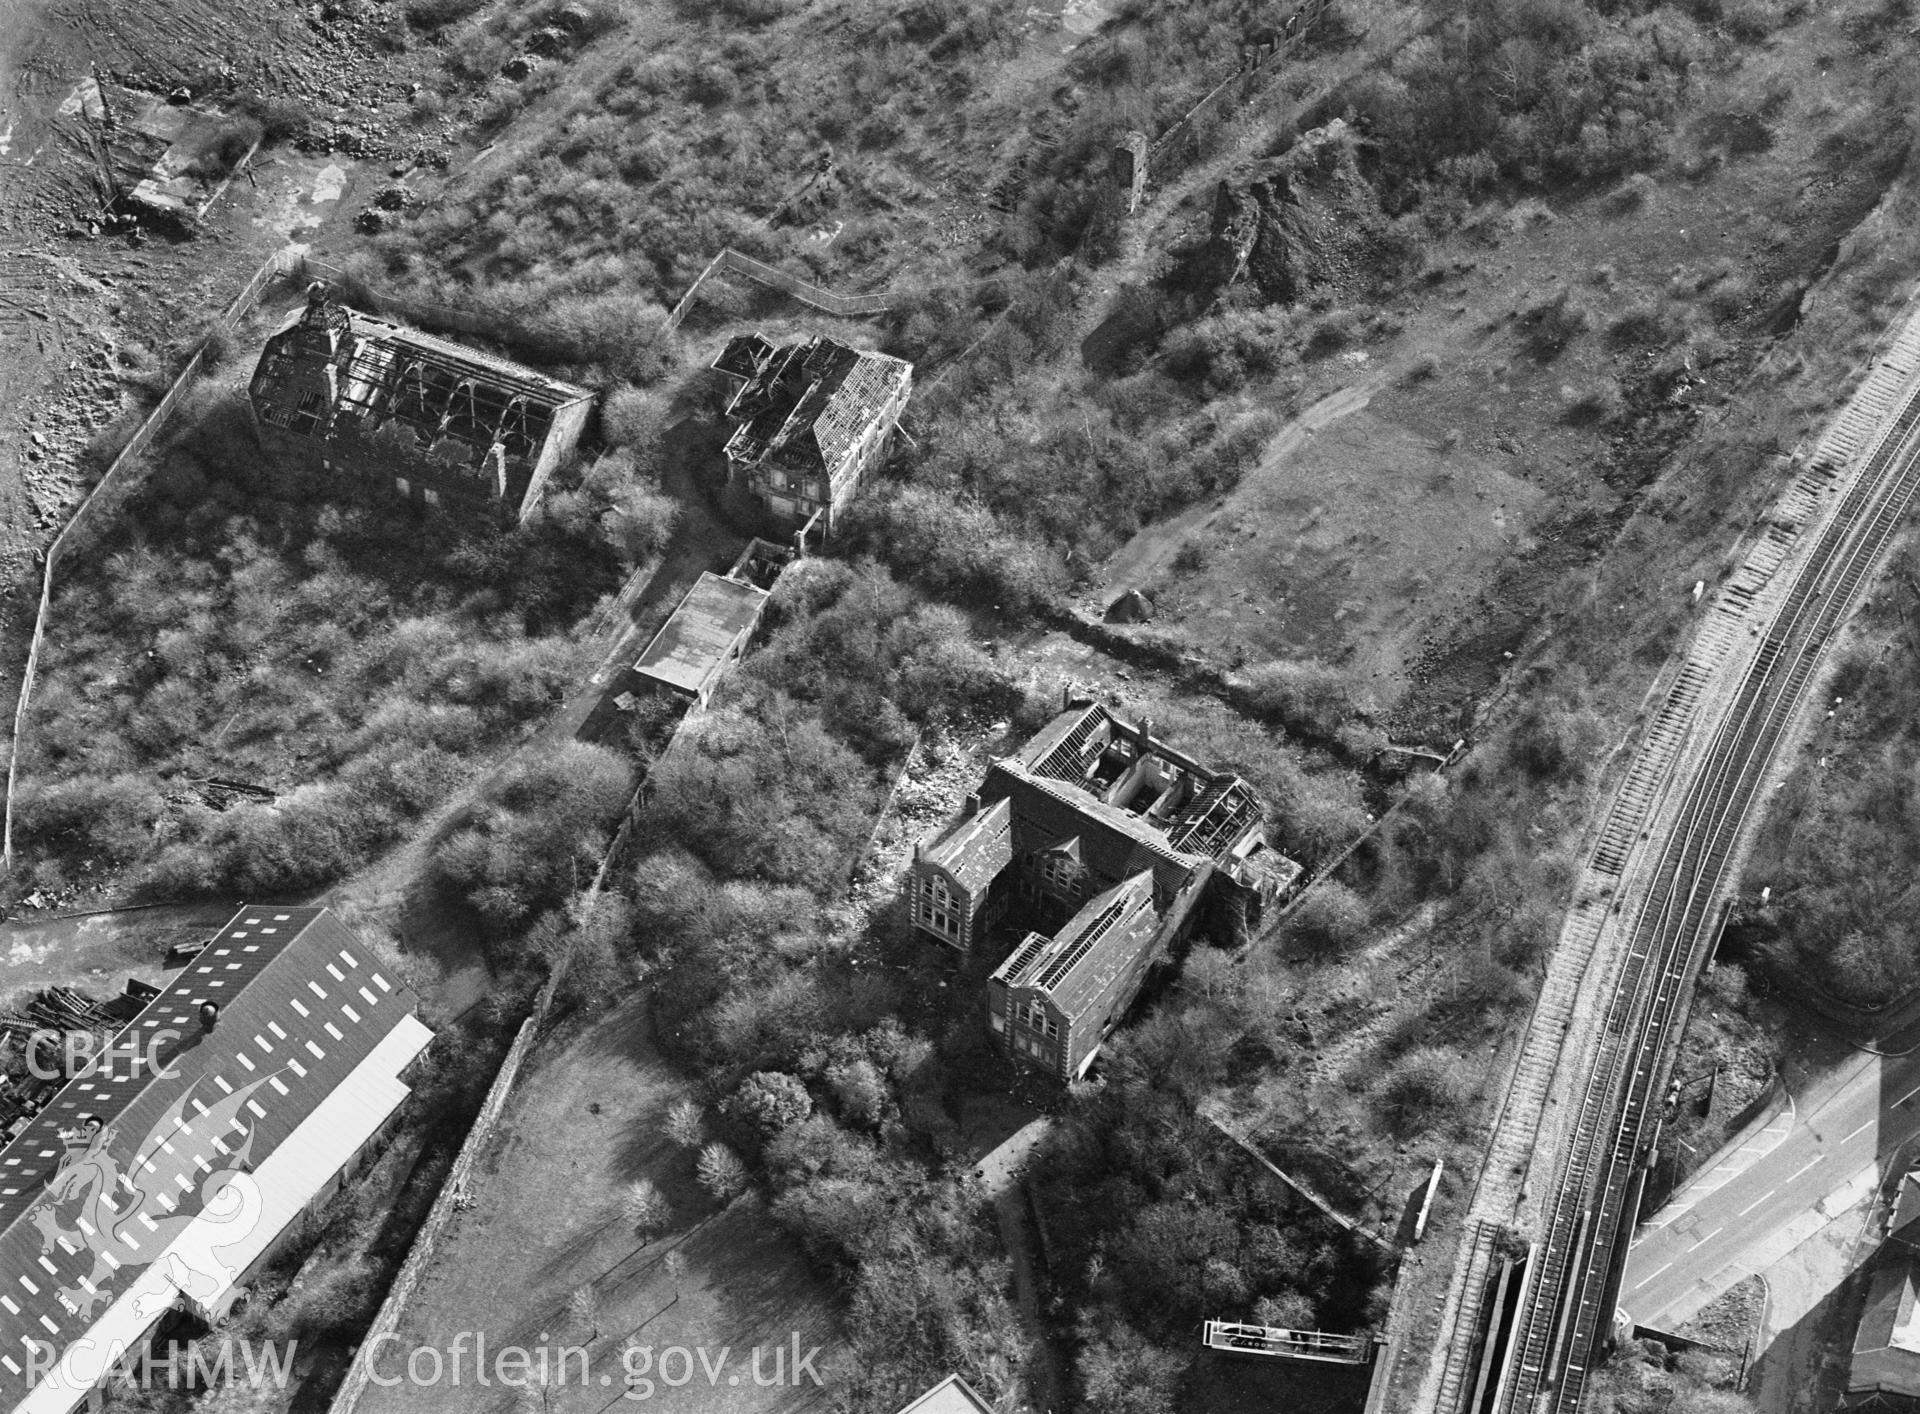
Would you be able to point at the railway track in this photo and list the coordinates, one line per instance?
(1557, 1335)
(1574, 1116)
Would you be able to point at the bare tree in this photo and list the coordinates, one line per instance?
(584, 1309)
(686, 1125)
(645, 1208)
(720, 1172)
(676, 1265)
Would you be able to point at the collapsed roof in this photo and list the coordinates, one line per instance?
(331, 371)
(803, 407)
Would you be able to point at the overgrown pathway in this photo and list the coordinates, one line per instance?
(396, 890)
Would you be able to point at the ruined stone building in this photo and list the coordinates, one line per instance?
(1100, 846)
(810, 420)
(385, 407)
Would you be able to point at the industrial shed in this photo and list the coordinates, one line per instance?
(140, 1191)
(703, 637)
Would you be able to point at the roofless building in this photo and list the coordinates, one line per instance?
(373, 404)
(810, 420)
(1102, 845)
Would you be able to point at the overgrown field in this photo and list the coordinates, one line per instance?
(1568, 231)
(254, 684)
(1837, 851)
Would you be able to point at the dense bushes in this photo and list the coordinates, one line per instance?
(1156, 1223)
(538, 832)
(824, 1073)
(1838, 856)
(344, 662)
(1534, 93)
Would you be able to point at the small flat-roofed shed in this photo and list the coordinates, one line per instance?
(702, 638)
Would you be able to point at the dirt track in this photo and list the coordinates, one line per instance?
(90, 322)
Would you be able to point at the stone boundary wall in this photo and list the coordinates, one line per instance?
(452, 1190)
(125, 475)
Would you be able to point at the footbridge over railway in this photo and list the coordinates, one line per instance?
(1534, 1287)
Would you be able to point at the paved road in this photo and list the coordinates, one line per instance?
(1715, 1233)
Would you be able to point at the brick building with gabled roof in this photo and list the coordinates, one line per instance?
(958, 870)
(373, 403)
(1106, 844)
(140, 1190)
(810, 420)
(1054, 1000)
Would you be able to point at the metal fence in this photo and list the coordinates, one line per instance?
(842, 306)
(123, 477)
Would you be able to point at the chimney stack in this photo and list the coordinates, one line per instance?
(973, 803)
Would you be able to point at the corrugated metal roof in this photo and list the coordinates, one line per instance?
(692, 645)
(222, 1243)
(302, 1005)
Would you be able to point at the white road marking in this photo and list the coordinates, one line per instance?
(1649, 1277)
(1804, 1167)
(1861, 1130)
(1908, 1096)
(1705, 1240)
(1756, 1203)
